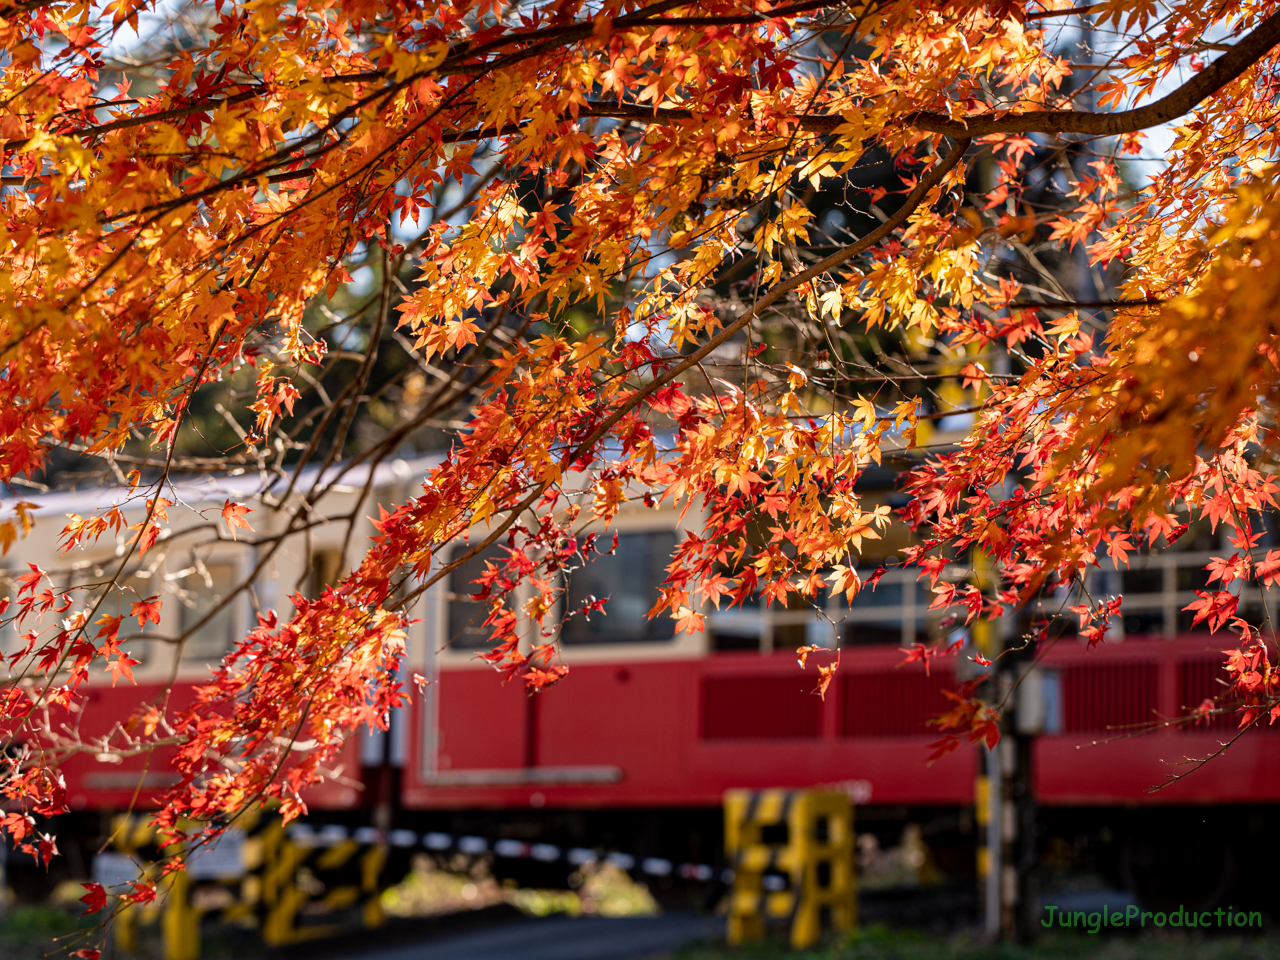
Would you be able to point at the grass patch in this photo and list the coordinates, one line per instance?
(28, 932)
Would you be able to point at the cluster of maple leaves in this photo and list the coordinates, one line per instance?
(625, 158)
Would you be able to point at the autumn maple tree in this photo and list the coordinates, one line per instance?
(719, 256)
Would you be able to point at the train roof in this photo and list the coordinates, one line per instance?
(241, 486)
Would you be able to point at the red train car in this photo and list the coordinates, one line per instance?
(634, 750)
(661, 719)
(656, 723)
(192, 568)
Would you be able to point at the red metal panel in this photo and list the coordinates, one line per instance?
(760, 707)
(633, 716)
(335, 794)
(1112, 685)
(647, 719)
(881, 771)
(482, 720)
(893, 703)
(1197, 682)
(681, 732)
(1068, 773)
(1109, 695)
(92, 785)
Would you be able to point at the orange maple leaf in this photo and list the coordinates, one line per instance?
(234, 513)
(148, 609)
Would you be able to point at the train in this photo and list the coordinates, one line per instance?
(635, 749)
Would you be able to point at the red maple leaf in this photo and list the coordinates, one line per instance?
(17, 825)
(29, 580)
(122, 664)
(143, 892)
(95, 899)
(1215, 608)
(1269, 568)
(1204, 711)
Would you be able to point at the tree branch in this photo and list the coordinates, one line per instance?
(927, 182)
(1207, 82)
(1203, 85)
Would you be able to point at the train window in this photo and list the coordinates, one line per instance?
(136, 585)
(876, 631)
(1269, 523)
(630, 578)
(324, 572)
(1186, 623)
(788, 636)
(10, 635)
(1150, 580)
(736, 631)
(1253, 613)
(1051, 690)
(201, 592)
(735, 637)
(1199, 537)
(466, 616)
(888, 613)
(1193, 577)
(887, 593)
(1141, 622)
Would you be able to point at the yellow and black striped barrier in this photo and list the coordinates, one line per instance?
(303, 881)
(212, 888)
(293, 883)
(791, 852)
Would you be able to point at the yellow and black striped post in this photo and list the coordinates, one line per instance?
(342, 875)
(180, 922)
(131, 836)
(982, 814)
(792, 858)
